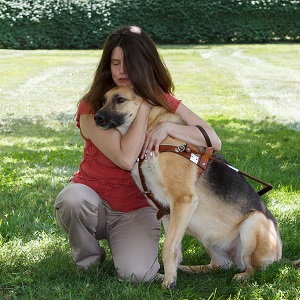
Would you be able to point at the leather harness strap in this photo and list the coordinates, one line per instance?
(200, 158)
(188, 153)
(161, 209)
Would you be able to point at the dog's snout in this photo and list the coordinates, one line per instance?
(98, 117)
(101, 119)
(104, 119)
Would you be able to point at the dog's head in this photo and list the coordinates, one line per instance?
(120, 107)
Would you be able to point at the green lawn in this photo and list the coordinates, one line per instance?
(249, 93)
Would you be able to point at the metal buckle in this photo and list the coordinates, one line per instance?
(180, 148)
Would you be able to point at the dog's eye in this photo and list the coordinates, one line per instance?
(120, 100)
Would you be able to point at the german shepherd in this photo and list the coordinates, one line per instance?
(220, 208)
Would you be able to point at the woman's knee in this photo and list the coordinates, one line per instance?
(77, 203)
(138, 273)
(74, 196)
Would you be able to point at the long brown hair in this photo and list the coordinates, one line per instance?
(144, 66)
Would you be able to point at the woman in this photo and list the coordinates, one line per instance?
(102, 201)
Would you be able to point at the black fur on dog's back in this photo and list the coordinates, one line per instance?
(232, 188)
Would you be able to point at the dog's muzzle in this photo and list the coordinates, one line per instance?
(101, 120)
(108, 120)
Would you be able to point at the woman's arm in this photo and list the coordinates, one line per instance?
(121, 150)
(188, 133)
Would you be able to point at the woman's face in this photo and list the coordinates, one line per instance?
(117, 68)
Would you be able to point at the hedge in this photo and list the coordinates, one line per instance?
(84, 24)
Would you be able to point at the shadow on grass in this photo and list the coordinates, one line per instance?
(37, 159)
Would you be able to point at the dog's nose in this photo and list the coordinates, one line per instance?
(98, 118)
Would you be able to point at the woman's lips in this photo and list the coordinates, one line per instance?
(123, 80)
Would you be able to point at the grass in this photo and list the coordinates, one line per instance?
(249, 93)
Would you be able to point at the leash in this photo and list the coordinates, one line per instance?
(198, 157)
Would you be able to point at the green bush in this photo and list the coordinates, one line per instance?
(30, 24)
(84, 24)
(210, 21)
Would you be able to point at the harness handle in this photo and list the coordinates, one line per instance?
(264, 190)
(207, 139)
(268, 187)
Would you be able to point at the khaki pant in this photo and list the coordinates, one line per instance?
(132, 237)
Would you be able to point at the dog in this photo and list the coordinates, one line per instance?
(219, 208)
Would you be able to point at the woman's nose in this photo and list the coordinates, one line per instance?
(122, 68)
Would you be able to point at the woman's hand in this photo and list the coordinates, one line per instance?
(154, 138)
(188, 133)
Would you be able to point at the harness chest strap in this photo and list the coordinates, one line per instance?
(186, 152)
(161, 209)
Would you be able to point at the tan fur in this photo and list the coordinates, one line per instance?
(247, 241)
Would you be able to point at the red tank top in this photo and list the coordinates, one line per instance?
(111, 183)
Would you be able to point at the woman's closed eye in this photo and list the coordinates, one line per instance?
(115, 62)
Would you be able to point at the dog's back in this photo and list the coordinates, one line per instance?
(233, 188)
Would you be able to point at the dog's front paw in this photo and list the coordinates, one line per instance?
(169, 282)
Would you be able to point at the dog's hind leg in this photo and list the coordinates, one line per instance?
(260, 244)
(182, 210)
